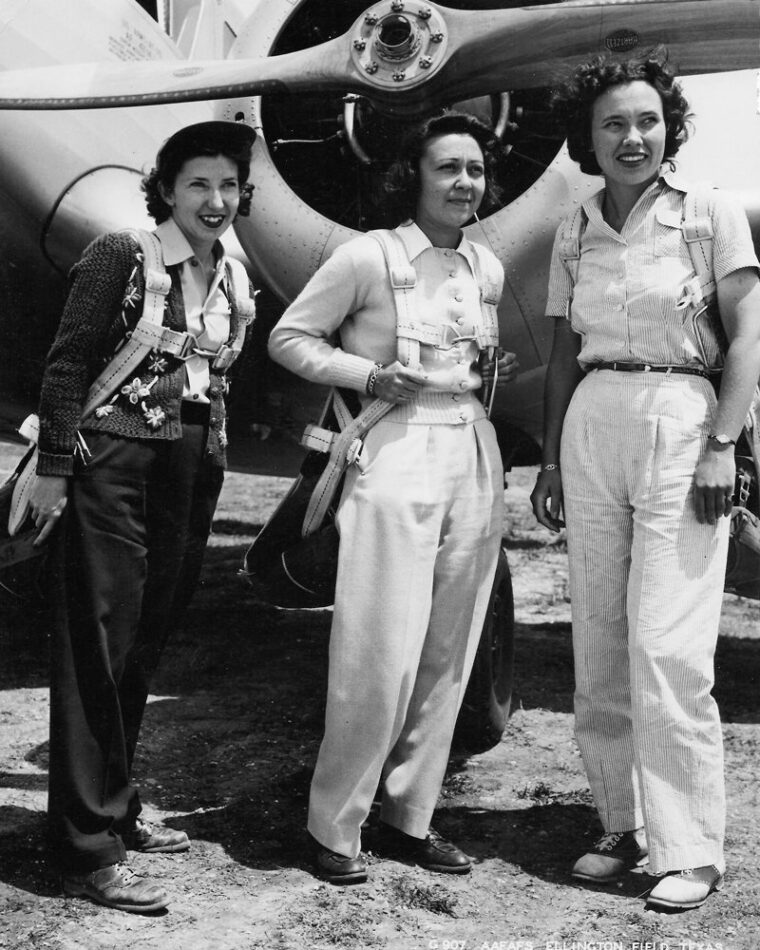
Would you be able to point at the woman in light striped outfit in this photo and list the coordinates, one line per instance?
(638, 451)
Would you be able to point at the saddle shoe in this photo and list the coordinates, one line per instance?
(685, 890)
(433, 852)
(611, 856)
(119, 887)
(149, 839)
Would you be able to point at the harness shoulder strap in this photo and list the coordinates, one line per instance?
(570, 243)
(697, 229)
(237, 277)
(157, 286)
(488, 277)
(403, 278)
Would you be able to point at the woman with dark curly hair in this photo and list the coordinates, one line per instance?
(420, 516)
(639, 453)
(136, 482)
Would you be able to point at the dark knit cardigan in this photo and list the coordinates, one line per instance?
(104, 304)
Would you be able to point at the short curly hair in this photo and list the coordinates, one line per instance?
(574, 99)
(402, 182)
(180, 149)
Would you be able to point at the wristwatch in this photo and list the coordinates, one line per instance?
(722, 439)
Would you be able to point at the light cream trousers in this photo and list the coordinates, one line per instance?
(420, 530)
(646, 584)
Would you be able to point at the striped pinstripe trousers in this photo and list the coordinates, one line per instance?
(646, 585)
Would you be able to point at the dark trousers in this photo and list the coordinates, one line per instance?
(125, 565)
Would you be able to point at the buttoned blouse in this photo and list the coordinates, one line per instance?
(624, 304)
(207, 308)
(349, 301)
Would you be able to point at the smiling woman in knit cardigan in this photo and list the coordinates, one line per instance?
(136, 500)
(420, 517)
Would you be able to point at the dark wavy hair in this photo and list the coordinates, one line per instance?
(402, 182)
(573, 101)
(168, 166)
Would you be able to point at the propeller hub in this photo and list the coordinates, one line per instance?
(397, 38)
(399, 43)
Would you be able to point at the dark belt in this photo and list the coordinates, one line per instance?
(195, 413)
(649, 368)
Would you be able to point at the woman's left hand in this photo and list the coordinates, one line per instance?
(714, 485)
(507, 366)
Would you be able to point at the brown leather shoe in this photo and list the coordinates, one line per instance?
(687, 889)
(432, 852)
(339, 869)
(117, 886)
(149, 839)
(612, 855)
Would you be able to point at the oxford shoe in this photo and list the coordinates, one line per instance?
(117, 886)
(151, 839)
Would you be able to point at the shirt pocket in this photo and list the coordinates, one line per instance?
(668, 237)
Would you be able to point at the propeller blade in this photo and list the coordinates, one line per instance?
(108, 85)
(411, 58)
(530, 47)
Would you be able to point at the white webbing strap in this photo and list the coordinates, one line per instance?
(569, 248)
(488, 285)
(696, 226)
(237, 279)
(157, 286)
(344, 448)
(403, 277)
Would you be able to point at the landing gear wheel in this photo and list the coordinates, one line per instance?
(488, 699)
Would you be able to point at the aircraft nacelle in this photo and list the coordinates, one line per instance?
(287, 238)
(329, 88)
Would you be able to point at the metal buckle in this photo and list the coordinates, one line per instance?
(188, 348)
(449, 340)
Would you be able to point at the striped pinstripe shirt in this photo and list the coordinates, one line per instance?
(629, 283)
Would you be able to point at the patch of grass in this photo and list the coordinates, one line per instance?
(336, 920)
(434, 898)
(539, 792)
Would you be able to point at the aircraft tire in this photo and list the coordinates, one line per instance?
(488, 698)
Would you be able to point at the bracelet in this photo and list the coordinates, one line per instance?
(372, 379)
(551, 467)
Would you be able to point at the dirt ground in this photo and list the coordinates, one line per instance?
(231, 736)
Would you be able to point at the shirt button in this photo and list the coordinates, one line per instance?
(463, 385)
(194, 262)
(458, 298)
(460, 321)
(462, 417)
(456, 397)
(196, 396)
(452, 273)
(448, 252)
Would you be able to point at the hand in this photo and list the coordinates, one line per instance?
(47, 501)
(546, 499)
(507, 366)
(398, 384)
(714, 480)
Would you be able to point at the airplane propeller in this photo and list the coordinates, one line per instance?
(431, 54)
